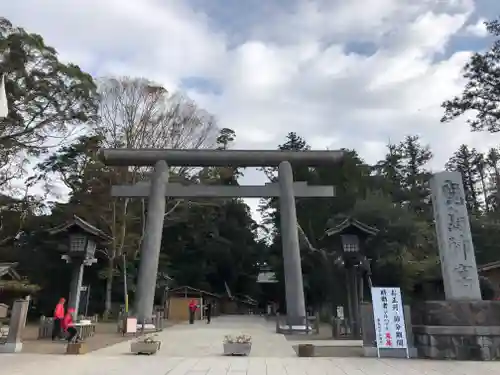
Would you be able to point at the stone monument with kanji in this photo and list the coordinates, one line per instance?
(463, 326)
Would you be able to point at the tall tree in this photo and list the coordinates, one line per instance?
(47, 99)
(416, 177)
(402, 174)
(137, 113)
(465, 160)
(481, 94)
(269, 207)
(133, 113)
(225, 138)
(481, 167)
(493, 161)
(227, 175)
(388, 173)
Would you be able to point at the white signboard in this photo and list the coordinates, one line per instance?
(340, 312)
(389, 319)
(131, 325)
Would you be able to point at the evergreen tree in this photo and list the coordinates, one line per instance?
(415, 175)
(465, 160)
(390, 171)
(482, 170)
(481, 94)
(493, 161)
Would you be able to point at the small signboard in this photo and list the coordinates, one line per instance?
(388, 315)
(130, 325)
(340, 312)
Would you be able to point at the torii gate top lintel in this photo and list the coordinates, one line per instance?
(218, 158)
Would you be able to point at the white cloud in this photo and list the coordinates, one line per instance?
(132, 37)
(477, 29)
(294, 70)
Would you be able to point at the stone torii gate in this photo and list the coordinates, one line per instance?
(159, 188)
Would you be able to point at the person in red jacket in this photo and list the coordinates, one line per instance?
(58, 317)
(192, 310)
(68, 325)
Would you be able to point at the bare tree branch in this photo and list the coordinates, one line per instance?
(134, 114)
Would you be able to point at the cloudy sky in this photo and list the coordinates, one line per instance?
(341, 73)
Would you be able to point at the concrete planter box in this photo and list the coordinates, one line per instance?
(237, 348)
(305, 350)
(145, 347)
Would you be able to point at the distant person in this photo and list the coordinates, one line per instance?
(208, 312)
(192, 310)
(68, 325)
(58, 317)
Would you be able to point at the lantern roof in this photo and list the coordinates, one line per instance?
(351, 226)
(78, 224)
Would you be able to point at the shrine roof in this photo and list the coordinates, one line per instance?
(78, 222)
(351, 223)
(9, 269)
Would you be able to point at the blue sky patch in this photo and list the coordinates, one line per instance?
(360, 48)
(201, 84)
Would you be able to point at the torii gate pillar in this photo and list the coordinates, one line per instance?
(294, 287)
(150, 250)
(151, 245)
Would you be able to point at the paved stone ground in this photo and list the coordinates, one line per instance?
(205, 340)
(27, 364)
(196, 350)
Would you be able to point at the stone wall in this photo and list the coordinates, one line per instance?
(460, 343)
(461, 330)
(456, 313)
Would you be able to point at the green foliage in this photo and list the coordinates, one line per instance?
(46, 98)
(393, 196)
(481, 95)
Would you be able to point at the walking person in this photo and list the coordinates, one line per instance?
(192, 310)
(68, 326)
(208, 312)
(58, 318)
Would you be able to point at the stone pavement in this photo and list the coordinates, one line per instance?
(196, 350)
(27, 364)
(205, 340)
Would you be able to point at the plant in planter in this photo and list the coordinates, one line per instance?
(237, 345)
(147, 345)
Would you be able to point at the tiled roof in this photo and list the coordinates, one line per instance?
(8, 268)
(351, 222)
(82, 224)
